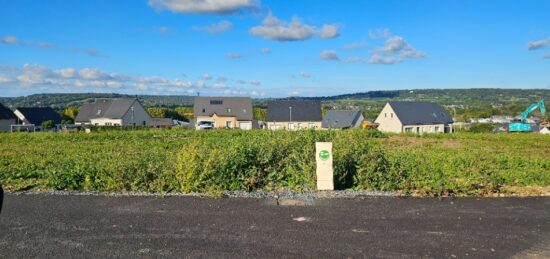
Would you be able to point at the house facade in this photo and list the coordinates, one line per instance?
(294, 115)
(113, 112)
(35, 116)
(414, 117)
(342, 119)
(7, 118)
(224, 112)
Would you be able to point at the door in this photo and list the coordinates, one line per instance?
(245, 125)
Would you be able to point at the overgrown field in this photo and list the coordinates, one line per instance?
(214, 161)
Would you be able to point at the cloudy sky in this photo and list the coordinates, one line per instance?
(274, 48)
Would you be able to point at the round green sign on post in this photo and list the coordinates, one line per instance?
(324, 155)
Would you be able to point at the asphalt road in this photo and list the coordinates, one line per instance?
(99, 227)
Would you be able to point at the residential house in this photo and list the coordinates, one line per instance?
(224, 112)
(35, 116)
(113, 112)
(414, 117)
(342, 119)
(294, 114)
(7, 118)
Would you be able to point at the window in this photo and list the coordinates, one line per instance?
(216, 102)
(391, 114)
(436, 129)
(228, 124)
(291, 126)
(311, 125)
(203, 110)
(408, 129)
(98, 112)
(385, 115)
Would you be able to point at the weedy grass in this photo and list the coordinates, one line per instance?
(164, 161)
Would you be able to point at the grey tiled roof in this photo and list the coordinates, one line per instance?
(37, 115)
(6, 113)
(410, 113)
(341, 119)
(240, 107)
(104, 108)
(302, 110)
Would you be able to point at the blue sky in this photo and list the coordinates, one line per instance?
(270, 48)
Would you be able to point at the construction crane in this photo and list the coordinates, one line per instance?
(521, 126)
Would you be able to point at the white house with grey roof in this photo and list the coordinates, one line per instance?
(342, 119)
(113, 112)
(7, 118)
(414, 117)
(224, 112)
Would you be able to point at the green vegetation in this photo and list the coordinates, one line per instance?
(214, 161)
(49, 124)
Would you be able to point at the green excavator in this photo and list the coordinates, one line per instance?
(521, 126)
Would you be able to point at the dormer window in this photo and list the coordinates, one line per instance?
(98, 112)
(228, 110)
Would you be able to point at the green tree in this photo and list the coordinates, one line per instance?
(69, 114)
(49, 124)
(260, 113)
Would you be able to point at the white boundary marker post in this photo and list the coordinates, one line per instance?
(323, 157)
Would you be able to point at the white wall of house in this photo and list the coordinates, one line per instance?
(140, 116)
(105, 122)
(435, 128)
(5, 124)
(388, 121)
(294, 125)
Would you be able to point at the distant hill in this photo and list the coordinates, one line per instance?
(464, 103)
(60, 101)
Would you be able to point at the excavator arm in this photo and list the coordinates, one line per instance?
(533, 107)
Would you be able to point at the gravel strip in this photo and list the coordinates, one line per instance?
(284, 194)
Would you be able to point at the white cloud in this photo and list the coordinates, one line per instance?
(241, 82)
(328, 55)
(204, 6)
(4, 79)
(383, 60)
(220, 27)
(266, 50)
(11, 40)
(67, 72)
(394, 50)
(255, 82)
(534, 45)
(352, 59)
(274, 29)
(329, 31)
(41, 78)
(233, 55)
(305, 74)
(221, 79)
(206, 76)
(46, 45)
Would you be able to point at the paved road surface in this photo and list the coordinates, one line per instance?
(98, 227)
